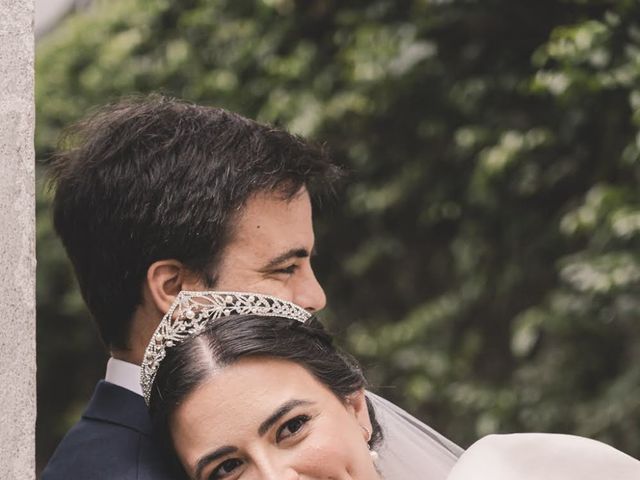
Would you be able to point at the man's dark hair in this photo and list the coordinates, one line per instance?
(228, 340)
(154, 178)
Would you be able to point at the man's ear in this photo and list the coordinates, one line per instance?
(165, 279)
(357, 405)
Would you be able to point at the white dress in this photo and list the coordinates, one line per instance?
(543, 456)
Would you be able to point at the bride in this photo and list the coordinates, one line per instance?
(249, 386)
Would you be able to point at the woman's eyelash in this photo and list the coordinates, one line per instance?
(294, 425)
(229, 465)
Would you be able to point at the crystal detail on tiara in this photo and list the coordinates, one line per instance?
(191, 312)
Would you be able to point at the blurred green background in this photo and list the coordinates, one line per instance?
(483, 261)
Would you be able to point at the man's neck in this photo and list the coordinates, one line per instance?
(129, 356)
(144, 322)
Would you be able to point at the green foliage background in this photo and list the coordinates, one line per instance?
(482, 262)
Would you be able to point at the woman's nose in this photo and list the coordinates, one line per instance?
(277, 473)
(274, 464)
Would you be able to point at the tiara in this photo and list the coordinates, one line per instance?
(194, 311)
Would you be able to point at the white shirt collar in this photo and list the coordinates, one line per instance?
(124, 374)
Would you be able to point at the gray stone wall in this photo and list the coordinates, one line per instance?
(17, 242)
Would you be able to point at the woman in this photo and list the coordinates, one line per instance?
(249, 386)
(268, 397)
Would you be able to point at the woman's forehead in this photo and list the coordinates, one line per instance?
(230, 406)
(253, 384)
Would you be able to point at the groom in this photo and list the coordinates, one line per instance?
(155, 196)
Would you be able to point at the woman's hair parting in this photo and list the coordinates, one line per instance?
(227, 340)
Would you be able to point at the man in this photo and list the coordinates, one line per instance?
(155, 196)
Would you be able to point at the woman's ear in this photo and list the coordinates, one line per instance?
(165, 279)
(357, 405)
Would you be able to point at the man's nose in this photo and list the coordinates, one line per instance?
(309, 293)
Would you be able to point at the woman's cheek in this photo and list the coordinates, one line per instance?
(329, 456)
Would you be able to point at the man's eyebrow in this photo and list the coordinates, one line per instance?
(288, 255)
(212, 457)
(279, 413)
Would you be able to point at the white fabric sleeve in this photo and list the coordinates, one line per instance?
(543, 456)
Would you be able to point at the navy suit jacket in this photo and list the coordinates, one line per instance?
(113, 440)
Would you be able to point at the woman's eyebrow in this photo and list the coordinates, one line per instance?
(212, 457)
(279, 413)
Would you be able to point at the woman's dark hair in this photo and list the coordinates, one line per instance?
(229, 339)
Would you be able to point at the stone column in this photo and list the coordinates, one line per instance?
(17, 242)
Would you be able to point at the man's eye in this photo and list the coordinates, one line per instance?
(225, 469)
(292, 427)
(287, 270)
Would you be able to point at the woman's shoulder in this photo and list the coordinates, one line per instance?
(533, 456)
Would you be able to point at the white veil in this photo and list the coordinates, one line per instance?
(411, 450)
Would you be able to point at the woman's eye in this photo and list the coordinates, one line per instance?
(292, 427)
(225, 469)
